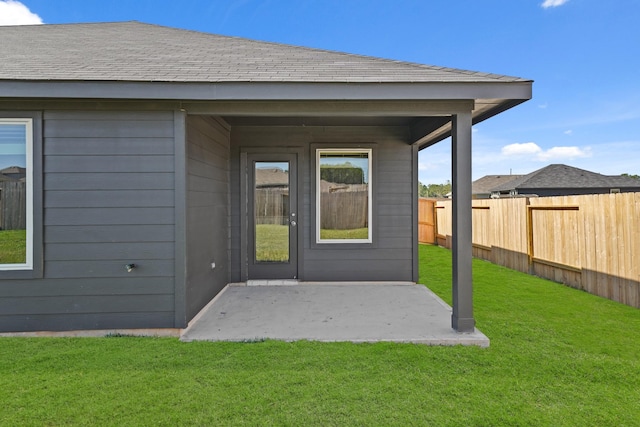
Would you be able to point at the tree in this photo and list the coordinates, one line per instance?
(342, 174)
(434, 190)
(631, 176)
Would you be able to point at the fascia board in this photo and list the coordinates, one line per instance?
(263, 91)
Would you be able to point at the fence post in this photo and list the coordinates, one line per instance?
(529, 234)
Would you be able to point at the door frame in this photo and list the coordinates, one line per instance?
(245, 216)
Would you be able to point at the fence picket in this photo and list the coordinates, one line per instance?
(13, 205)
(587, 242)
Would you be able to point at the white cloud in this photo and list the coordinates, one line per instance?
(521, 149)
(536, 153)
(15, 13)
(553, 3)
(568, 132)
(559, 153)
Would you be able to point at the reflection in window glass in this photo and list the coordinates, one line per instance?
(15, 194)
(271, 211)
(343, 196)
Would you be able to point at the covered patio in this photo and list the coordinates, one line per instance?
(329, 311)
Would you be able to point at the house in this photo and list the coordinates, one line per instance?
(145, 146)
(563, 180)
(482, 188)
(13, 173)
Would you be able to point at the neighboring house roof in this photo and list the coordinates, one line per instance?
(134, 51)
(13, 173)
(563, 176)
(272, 177)
(13, 169)
(486, 184)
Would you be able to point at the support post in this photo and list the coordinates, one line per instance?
(462, 317)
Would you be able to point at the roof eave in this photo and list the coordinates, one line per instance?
(518, 91)
(424, 100)
(477, 117)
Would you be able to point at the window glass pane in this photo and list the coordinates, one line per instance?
(271, 211)
(13, 193)
(344, 195)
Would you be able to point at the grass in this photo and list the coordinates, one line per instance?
(558, 357)
(355, 233)
(13, 246)
(272, 242)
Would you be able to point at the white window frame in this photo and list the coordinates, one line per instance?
(28, 123)
(369, 153)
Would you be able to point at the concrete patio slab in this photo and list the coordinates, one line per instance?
(330, 312)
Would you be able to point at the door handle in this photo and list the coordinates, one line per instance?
(293, 223)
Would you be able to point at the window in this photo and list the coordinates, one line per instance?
(343, 196)
(16, 193)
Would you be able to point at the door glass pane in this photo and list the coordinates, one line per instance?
(271, 211)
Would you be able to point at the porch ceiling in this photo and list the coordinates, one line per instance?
(420, 127)
(429, 121)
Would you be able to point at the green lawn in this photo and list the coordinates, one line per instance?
(558, 357)
(354, 233)
(272, 242)
(13, 246)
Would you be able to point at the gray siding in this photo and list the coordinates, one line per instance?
(108, 201)
(207, 210)
(391, 254)
(112, 197)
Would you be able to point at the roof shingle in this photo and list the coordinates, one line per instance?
(563, 176)
(137, 52)
(486, 184)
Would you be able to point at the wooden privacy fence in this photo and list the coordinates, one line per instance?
(13, 205)
(344, 210)
(340, 210)
(272, 206)
(589, 242)
(427, 221)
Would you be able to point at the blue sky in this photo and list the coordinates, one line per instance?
(584, 56)
(12, 147)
